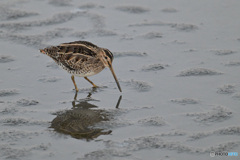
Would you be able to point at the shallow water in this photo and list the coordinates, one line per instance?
(177, 63)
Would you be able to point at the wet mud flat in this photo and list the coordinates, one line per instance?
(177, 63)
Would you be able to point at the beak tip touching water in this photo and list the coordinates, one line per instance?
(113, 73)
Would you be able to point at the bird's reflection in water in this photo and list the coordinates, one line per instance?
(80, 120)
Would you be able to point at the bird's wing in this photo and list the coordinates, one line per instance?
(73, 55)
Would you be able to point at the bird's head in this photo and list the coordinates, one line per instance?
(107, 58)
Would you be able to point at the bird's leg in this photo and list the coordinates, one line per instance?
(74, 83)
(90, 82)
(75, 97)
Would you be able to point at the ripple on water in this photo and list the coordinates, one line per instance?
(169, 10)
(8, 151)
(8, 92)
(232, 130)
(7, 13)
(8, 110)
(179, 26)
(6, 58)
(60, 2)
(133, 9)
(198, 72)
(129, 53)
(153, 121)
(22, 121)
(218, 114)
(185, 101)
(37, 40)
(223, 52)
(27, 102)
(185, 27)
(153, 67)
(15, 135)
(88, 5)
(131, 145)
(226, 89)
(49, 79)
(152, 35)
(236, 95)
(55, 19)
(140, 86)
(94, 33)
(233, 63)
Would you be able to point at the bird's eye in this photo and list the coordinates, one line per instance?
(105, 57)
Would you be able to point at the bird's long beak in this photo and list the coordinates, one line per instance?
(114, 75)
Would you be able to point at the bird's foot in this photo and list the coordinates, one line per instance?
(95, 86)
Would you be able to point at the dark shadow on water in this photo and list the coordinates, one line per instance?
(79, 121)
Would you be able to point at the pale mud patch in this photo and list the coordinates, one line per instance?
(130, 53)
(184, 101)
(152, 121)
(140, 86)
(27, 102)
(199, 72)
(226, 89)
(153, 67)
(223, 52)
(133, 9)
(232, 130)
(217, 114)
(8, 92)
(6, 58)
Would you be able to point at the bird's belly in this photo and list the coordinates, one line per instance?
(85, 74)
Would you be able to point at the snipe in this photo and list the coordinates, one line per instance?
(82, 59)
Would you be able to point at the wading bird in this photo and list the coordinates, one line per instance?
(82, 59)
